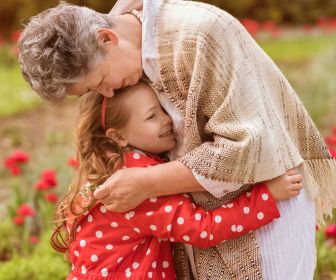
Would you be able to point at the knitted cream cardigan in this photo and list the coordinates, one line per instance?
(243, 121)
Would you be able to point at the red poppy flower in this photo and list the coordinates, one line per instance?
(332, 23)
(20, 156)
(72, 162)
(13, 161)
(15, 36)
(330, 231)
(321, 22)
(269, 25)
(34, 239)
(42, 185)
(51, 197)
(252, 26)
(308, 28)
(26, 211)
(49, 177)
(332, 152)
(331, 140)
(15, 170)
(18, 220)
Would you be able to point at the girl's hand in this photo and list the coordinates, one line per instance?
(285, 186)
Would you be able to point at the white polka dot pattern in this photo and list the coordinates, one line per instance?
(260, 215)
(145, 232)
(180, 221)
(99, 234)
(264, 196)
(94, 258)
(114, 224)
(104, 272)
(153, 199)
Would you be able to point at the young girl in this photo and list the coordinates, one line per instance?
(132, 130)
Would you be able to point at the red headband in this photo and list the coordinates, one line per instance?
(103, 112)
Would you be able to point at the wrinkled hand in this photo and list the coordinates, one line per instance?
(124, 190)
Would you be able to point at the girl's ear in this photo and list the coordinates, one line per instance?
(106, 35)
(116, 137)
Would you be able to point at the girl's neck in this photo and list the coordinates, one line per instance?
(130, 149)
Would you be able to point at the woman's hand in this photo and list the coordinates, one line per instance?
(124, 190)
(129, 187)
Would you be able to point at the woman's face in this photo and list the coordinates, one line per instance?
(120, 67)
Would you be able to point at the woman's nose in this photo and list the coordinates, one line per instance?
(106, 91)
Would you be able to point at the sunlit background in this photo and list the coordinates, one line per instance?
(36, 141)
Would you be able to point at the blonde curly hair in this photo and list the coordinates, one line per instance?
(99, 157)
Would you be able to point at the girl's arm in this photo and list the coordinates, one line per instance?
(127, 188)
(179, 220)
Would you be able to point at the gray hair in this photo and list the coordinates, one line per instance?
(58, 47)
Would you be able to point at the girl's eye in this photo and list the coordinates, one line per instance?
(151, 117)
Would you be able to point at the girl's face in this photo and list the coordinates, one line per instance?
(149, 128)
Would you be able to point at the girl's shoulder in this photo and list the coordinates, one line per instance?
(138, 158)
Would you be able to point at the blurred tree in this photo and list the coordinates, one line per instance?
(13, 13)
(237, 8)
(16, 12)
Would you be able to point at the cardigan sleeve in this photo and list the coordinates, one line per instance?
(179, 220)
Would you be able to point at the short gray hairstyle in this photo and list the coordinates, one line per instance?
(59, 46)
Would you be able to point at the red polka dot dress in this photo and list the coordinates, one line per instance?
(137, 244)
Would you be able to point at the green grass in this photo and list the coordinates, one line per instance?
(297, 49)
(15, 93)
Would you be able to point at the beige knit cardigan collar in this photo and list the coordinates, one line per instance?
(243, 121)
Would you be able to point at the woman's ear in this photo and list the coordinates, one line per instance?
(116, 137)
(107, 35)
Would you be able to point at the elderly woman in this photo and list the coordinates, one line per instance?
(237, 120)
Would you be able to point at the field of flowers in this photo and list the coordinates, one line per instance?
(35, 174)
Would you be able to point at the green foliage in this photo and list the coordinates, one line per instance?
(52, 175)
(297, 49)
(20, 257)
(44, 264)
(326, 258)
(7, 242)
(15, 94)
